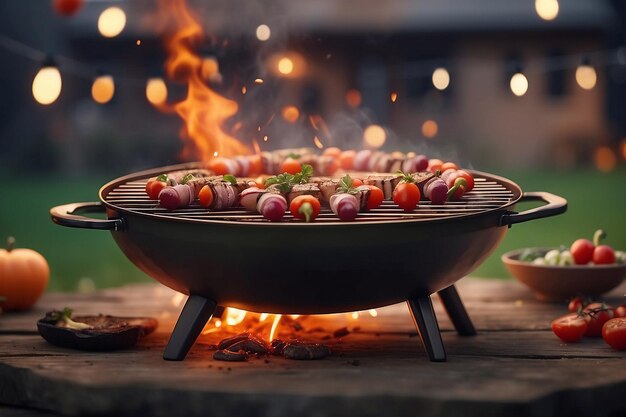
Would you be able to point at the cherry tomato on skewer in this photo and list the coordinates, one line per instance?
(305, 207)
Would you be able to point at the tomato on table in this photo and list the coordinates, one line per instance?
(620, 311)
(569, 328)
(406, 195)
(614, 333)
(596, 314)
(576, 304)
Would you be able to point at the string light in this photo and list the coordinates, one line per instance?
(156, 91)
(519, 84)
(103, 89)
(430, 128)
(285, 66)
(374, 136)
(586, 76)
(441, 78)
(547, 9)
(111, 22)
(47, 83)
(263, 33)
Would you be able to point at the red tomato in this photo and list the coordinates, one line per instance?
(332, 167)
(569, 328)
(357, 182)
(376, 197)
(434, 165)
(290, 166)
(345, 160)
(332, 151)
(205, 196)
(597, 315)
(448, 165)
(256, 166)
(67, 7)
(603, 254)
(221, 166)
(577, 304)
(305, 207)
(620, 311)
(467, 177)
(154, 187)
(614, 333)
(582, 251)
(406, 195)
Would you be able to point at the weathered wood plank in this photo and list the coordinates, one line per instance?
(515, 366)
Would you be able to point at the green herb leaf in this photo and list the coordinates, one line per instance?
(405, 176)
(230, 178)
(293, 155)
(346, 185)
(188, 177)
(162, 178)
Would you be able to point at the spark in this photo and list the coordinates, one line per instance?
(244, 90)
(394, 97)
(318, 143)
(265, 138)
(258, 81)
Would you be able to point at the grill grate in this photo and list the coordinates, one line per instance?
(488, 194)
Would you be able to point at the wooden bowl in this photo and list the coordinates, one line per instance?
(559, 283)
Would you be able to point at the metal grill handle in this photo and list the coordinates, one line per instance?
(66, 215)
(556, 205)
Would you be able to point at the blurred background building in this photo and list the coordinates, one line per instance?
(440, 76)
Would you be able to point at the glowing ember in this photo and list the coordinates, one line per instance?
(218, 323)
(263, 317)
(318, 143)
(394, 97)
(623, 146)
(258, 81)
(355, 315)
(373, 312)
(234, 316)
(265, 138)
(244, 90)
(138, 42)
(203, 110)
(353, 98)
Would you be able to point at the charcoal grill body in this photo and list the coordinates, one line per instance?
(315, 268)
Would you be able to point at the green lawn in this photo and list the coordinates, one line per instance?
(595, 200)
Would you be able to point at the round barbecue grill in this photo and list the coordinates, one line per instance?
(239, 259)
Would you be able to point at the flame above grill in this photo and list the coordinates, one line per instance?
(204, 111)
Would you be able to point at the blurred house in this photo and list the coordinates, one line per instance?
(347, 57)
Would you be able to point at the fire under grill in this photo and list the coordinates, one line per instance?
(488, 194)
(234, 258)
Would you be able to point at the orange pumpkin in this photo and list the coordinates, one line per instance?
(24, 276)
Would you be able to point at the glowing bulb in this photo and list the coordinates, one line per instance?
(586, 77)
(111, 22)
(430, 128)
(47, 85)
(519, 84)
(441, 78)
(547, 9)
(102, 89)
(291, 114)
(263, 33)
(285, 66)
(156, 91)
(374, 136)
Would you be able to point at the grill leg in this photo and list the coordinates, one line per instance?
(197, 311)
(424, 317)
(456, 311)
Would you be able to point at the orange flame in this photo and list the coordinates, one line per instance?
(203, 110)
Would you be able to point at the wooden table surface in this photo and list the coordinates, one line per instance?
(515, 366)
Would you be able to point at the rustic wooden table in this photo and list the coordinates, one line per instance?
(515, 366)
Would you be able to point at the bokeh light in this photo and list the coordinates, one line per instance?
(291, 114)
(47, 85)
(586, 77)
(547, 9)
(285, 66)
(430, 128)
(353, 98)
(519, 84)
(111, 22)
(441, 78)
(156, 91)
(210, 67)
(103, 89)
(263, 33)
(374, 136)
(604, 159)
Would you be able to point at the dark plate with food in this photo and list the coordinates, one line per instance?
(96, 333)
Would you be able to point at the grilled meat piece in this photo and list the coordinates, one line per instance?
(304, 189)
